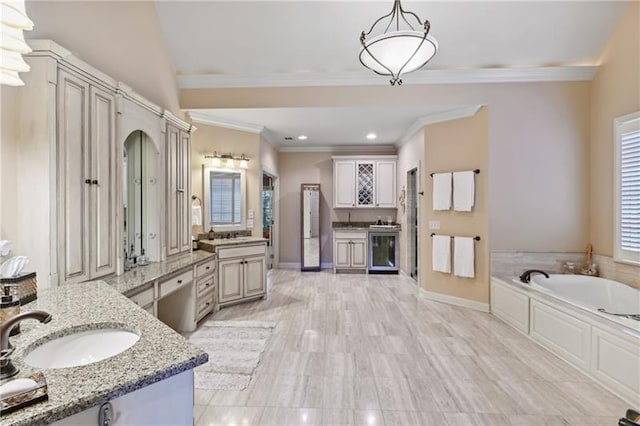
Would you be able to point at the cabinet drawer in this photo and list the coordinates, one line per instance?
(174, 283)
(205, 284)
(205, 268)
(242, 251)
(144, 297)
(351, 235)
(205, 305)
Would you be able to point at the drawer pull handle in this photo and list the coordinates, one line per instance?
(207, 268)
(94, 182)
(207, 284)
(179, 281)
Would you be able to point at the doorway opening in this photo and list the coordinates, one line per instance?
(412, 222)
(268, 216)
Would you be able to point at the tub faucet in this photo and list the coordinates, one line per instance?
(526, 276)
(7, 369)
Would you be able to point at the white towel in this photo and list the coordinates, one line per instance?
(441, 191)
(463, 191)
(441, 253)
(464, 257)
(196, 215)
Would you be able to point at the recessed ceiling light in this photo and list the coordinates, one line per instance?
(371, 136)
(302, 137)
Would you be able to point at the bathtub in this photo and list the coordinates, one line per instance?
(563, 314)
(593, 294)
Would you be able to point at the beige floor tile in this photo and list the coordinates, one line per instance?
(282, 416)
(368, 418)
(338, 417)
(394, 394)
(224, 416)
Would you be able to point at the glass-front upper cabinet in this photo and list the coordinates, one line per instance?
(365, 180)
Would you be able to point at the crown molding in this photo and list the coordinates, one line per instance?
(362, 78)
(340, 148)
(211, 120)
(269, 137)
(438, 117)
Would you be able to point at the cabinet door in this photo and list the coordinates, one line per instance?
(103, 176)
(172, 207)
(385, 184)
(255, 276)
(230, 279)
(74, 178)
(344, 183)
(184, 191)
(342, 256)
(359, 254)
(365, 184)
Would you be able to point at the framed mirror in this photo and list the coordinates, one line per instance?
(224, 199)
(310, 231)
(140, 196)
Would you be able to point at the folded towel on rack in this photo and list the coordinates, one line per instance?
(441, 191)
(196, 215)
(441, 253)
(463, 191)
(464, 257)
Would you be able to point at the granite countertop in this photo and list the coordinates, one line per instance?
(160, 353)
(211, 245)
(138, 277)
(362, 226)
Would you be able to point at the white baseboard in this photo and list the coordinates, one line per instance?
(458, 301)
(297, 265)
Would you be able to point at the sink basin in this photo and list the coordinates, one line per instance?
(81, 348)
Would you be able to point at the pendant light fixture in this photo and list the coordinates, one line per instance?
(404, 46)
(13, 21)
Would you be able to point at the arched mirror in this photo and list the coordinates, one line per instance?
(310, 226)
(141, 196)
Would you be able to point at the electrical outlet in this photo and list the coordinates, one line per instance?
(250, 214)
(434, 224)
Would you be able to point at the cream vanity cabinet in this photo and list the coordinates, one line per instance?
(206, 288)
(242, 273)
(349, 250)
(86, 178)
(364, 182)
(178, 194)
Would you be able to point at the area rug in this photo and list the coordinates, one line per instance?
(234, 349)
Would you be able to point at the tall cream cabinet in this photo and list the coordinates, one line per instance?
(364, 182)
(67, 157)
(87, 179)
(178, 195)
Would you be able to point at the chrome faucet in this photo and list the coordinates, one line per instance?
(7, 369)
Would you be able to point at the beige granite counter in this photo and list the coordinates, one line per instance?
(160, 353)
(211, 245)
(138, 277)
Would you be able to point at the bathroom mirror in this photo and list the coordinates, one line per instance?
(310, 226)
(224, 199)
(140, 196)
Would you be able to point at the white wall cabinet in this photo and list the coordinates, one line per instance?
(242, 273)
(86, 173)
(349, 250)
(364, 182)
(178, 195)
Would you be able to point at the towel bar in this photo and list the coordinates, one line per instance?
(476, 171)
(451, 236)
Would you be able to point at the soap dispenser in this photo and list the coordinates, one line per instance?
(9, 306)
(211, 235)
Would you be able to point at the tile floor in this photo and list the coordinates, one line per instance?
(367, 349)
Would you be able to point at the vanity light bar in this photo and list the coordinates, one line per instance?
(216, 160)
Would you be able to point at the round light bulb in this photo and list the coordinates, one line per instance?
(371, 136)
(302, 137)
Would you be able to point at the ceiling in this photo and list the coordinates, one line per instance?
(239, 43)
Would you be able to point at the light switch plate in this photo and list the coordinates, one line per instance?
(250, 213)
(434, 224)
(250, 223)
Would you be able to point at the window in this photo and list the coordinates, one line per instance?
(224, 199)
(627, 189)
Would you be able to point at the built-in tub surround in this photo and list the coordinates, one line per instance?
(561, 314)
(160, 352)
(511, 263)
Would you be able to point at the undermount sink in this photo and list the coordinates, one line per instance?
(81, 348)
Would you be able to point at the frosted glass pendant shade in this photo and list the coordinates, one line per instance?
(230, 163)
(13, 21)
(395, 49)
(215, 161)
(244, 164)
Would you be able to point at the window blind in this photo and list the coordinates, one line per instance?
(630, 191)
